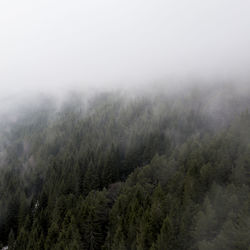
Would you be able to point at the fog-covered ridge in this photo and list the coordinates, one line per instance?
(157, 162)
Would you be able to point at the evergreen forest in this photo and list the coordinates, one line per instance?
(168, 170)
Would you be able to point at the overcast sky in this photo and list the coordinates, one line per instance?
(47, 44)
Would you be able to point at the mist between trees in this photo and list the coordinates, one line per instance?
(116, 170)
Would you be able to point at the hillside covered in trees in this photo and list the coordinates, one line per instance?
(162, 171)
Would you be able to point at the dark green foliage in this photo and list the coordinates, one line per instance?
(148, 173)
(11, 240)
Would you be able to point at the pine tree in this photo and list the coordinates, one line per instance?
(11, 240)
(166, 239)
(91, 179)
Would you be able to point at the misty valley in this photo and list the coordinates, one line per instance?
(115, 171)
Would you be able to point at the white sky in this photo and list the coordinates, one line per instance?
(48, 44)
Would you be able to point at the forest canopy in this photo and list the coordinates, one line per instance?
(158, 171)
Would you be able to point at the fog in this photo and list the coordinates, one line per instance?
(57, 45)
(179, 76)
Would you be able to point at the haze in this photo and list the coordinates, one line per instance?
(55, 45)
